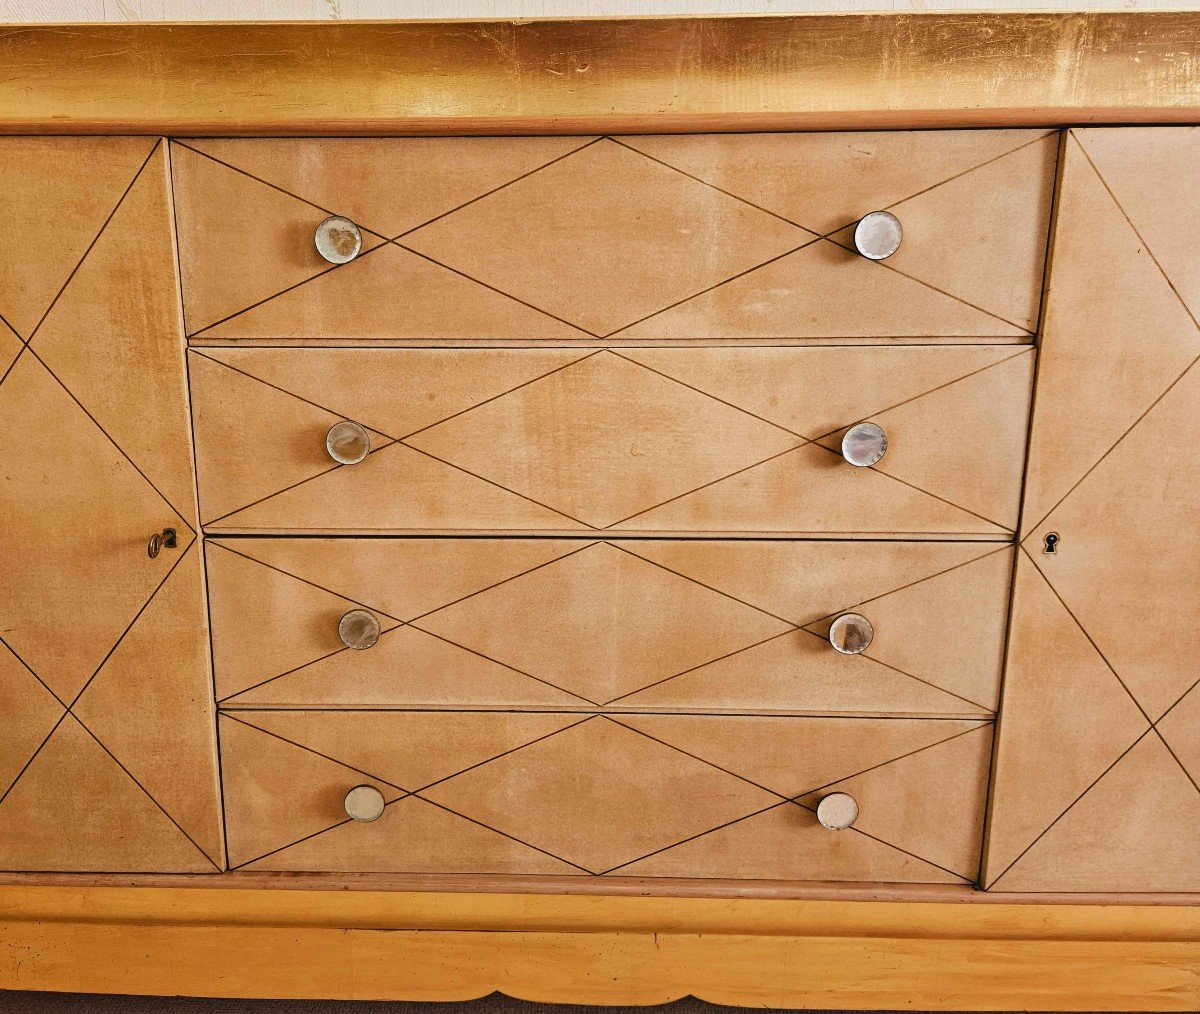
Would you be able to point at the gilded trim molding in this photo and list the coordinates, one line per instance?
(603, 75)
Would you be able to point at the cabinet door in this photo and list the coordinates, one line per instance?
(107, 762)
(1095, 785)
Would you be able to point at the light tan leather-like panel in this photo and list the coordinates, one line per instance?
(677, 238)
(739, 440)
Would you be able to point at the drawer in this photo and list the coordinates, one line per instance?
(631, 795)
(686, 440)
(576, 625)
(729, 236)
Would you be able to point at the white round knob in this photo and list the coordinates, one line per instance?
(877, 235)
(851, 633)
(338, 240)
(837, 811)
(358, 629)
(364, 803)
(864, 444)
(347, 443)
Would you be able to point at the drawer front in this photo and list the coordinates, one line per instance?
(638, 625)
(739, 440)
(579, 238)
(632, 795)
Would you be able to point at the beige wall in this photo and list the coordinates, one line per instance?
(203, 10)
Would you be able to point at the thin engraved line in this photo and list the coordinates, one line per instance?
(41, 746)
(929, 683)
(1174, 756)
(712, 186)
(1021, 855)
(796, 796)
(492, 482)
(20, 352)
(701, 665)
(913, 486)
(13, 330)
(79, 263)
(511, 668)
(980, 723)
(299, 841)
(504, 753)
(706, 394)
(283, 390)
(700, 834)
(911, 584)
(504, 834)
(313, 750)
(162, 809)
(265, 183)
(132, 623)
(283, 292)
(929, 285)
(29, 669)
(502, 394)
(1124, 214)
(1083, 630)
(503, 581)
(120, 450)
(792, 624)
(502, 186)
(499, 292)
(1154, 404)
(303, 580)
(722, 478)
(717, 285)
(295, 485)
(1024, 351)
(303, 665)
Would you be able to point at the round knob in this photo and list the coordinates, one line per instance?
(877, 235)
(358, 629)
(851, 633)
(365, 803)
(338, 240)
(864, 444)
(347, 443)
(837, 811)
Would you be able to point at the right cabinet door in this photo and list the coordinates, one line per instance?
(1095, 784)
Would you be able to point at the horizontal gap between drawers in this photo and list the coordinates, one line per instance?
(869, 341)
(592, 535)
(866, 716)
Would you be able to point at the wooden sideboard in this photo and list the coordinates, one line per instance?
(487, 526)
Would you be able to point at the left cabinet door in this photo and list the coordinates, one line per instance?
(108, 752)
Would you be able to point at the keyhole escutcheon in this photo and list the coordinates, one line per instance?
(1051, 543)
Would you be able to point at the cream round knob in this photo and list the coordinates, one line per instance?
(364, 803)
(837, 811)
(851, 633)
(347, 443)
(338, 240)
(864, 444)
(358, 629)
(877, 235)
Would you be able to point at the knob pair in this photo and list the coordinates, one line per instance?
(876, 236)
(863, 444)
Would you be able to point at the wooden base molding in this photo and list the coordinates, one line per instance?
(598, 950)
